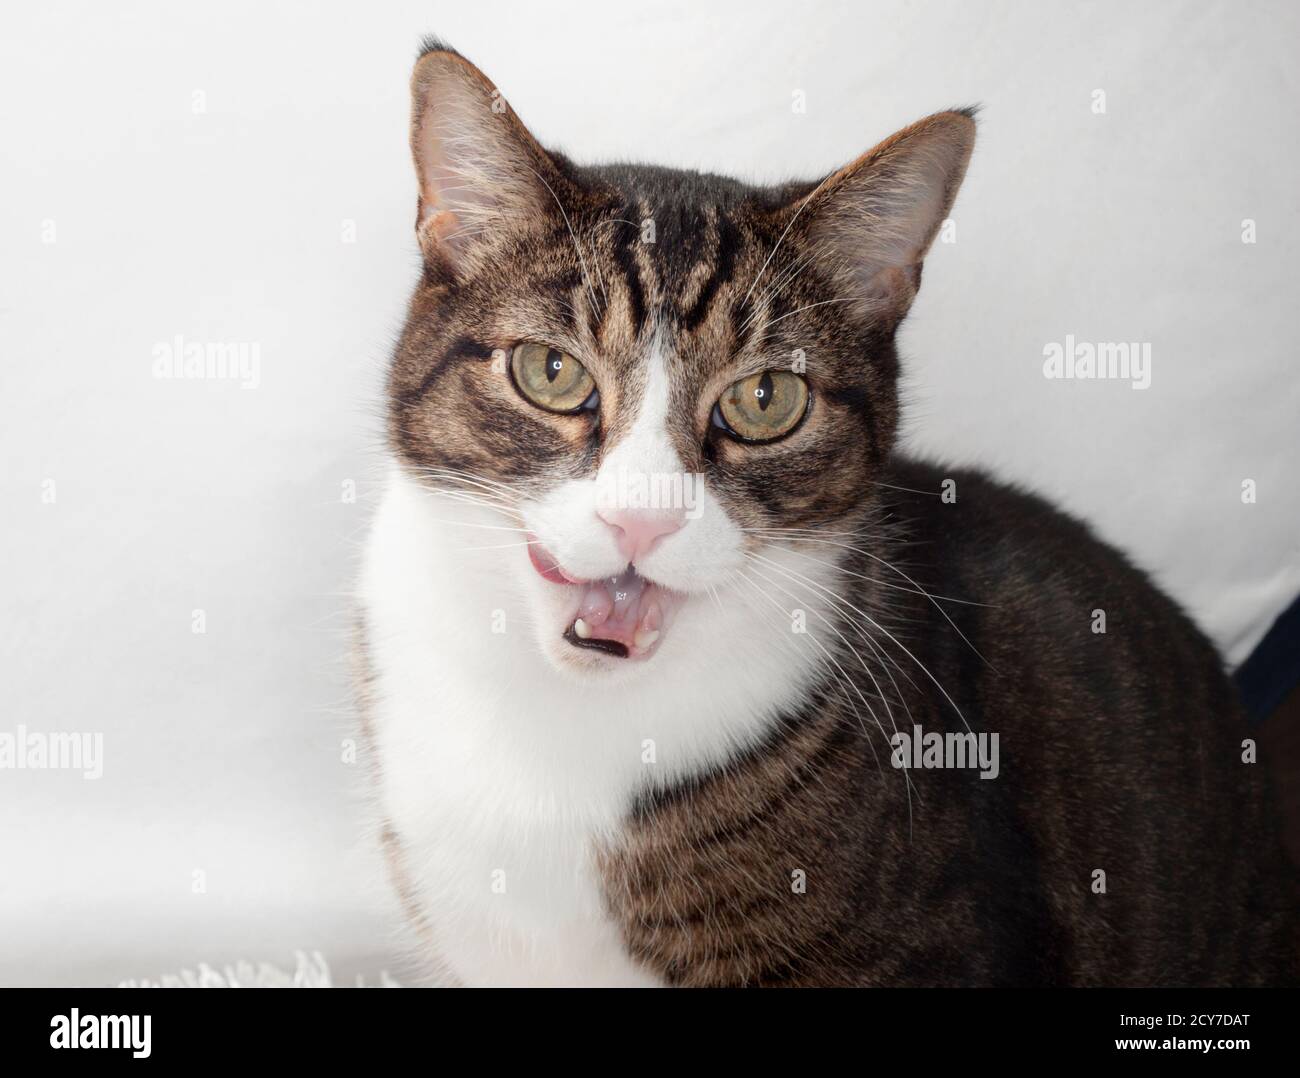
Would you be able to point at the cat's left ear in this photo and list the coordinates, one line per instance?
(872, 222)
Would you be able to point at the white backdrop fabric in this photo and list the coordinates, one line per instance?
(238, 172)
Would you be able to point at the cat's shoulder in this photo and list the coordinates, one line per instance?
(1002, 537)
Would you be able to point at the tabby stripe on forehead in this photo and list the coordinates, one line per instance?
(569, 294)
(725, 259)
(461, 348)
(625, 257)
(562, 283)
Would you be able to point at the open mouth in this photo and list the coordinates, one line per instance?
(623, 616)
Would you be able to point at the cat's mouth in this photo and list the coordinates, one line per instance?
(624, 616)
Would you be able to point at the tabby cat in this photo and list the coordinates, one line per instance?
(674, 672)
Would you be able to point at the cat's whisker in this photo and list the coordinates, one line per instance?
(889, 711)
(907, 490)
(465, 489)
(873, 579)
(805, 307)
(600, 277)
(615, 221)
(577, 247)
(460, 498)
(910, 786)
(785, 232)
(788, 614)
(717, 599)
(887, 660)
(485, 527)
(838, 675)
(467, 233)
(762, 335)
(778, 286)
(479, 485)
(474, 479)
(765, 297)
(840, 679)
(920, 590)
(907, 651)
(842, 606)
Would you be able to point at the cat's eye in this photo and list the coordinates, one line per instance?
(763, 407)
(551, 379)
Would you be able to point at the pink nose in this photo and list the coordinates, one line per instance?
(638, 531)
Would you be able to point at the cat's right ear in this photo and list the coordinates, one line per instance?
(480, 171)
(872, 222)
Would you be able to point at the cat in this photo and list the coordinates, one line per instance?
(661, 641)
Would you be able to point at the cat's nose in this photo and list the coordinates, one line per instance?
(639, 531)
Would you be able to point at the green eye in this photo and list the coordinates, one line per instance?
(763, 407)
(549, 378)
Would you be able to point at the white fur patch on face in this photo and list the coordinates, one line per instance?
(577, 525)
(641, 468)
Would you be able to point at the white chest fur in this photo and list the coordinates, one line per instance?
(499, 772)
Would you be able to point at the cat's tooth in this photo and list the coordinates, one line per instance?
(652, 617)
(583, 630)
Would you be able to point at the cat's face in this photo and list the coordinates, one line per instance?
(650, 379)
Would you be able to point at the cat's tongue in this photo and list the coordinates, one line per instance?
(621, 615)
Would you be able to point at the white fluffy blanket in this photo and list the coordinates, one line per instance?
(312, 972)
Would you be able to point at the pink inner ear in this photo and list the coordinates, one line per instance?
(892, 283)
(456, 180)
(906, 207)
(440, 226)
(450, 201)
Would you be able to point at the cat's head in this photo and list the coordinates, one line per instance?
(654, 375)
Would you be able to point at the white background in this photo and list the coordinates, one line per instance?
(223, 749)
